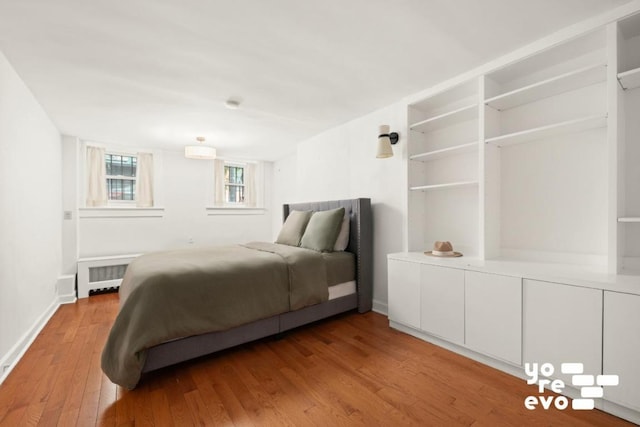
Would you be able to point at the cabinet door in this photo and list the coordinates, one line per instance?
(622, 347)
(493, 315)
(442, 302)
(562, 324)
(404, 292)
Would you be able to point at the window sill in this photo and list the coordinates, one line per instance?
(121, 212)
(234, 210)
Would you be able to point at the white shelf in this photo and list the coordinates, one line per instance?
(629, 219)
(630, 79)
(569, 126)
(444, 186)
(445, 152)
(459, 115)
(563, 83)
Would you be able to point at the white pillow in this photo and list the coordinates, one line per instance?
(343, 237)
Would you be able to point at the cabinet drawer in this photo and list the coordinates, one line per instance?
(493, 315)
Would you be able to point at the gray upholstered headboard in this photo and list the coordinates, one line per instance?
(360, 240)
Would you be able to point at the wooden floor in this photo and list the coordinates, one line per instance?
(350, 370)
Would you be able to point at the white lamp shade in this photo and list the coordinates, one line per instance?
(201, 152)
(384, 143)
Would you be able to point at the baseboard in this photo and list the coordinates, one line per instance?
(380, 307)
(67, 299)
(9, 361)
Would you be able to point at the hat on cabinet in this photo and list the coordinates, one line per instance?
(443, 249)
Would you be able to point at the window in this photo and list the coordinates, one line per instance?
(121, 177)
(233, 183)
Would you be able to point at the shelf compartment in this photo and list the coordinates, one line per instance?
(444, 186)
(459, 115)
(629, 219)
(629, 79)
(566, 82)
(569, 126)
(445, 152)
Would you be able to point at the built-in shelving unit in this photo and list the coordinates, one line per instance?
(542, 132)
(551, 220)
(443, 168)
(630, 79)
(566, 82)
(445, 152)
(531, 194)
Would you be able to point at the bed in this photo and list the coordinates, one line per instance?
(132, 349)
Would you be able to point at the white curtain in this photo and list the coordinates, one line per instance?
(144, 181)
(250, 196)
(96, 177)
(218, 178)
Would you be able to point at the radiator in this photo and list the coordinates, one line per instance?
(101, 273)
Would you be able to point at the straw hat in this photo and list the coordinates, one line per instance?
(443, 249)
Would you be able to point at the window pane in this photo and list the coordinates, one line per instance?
(127, 190)
(234, 193)
(116, 166)
(121, 189)
(126, 166)
(107, 158)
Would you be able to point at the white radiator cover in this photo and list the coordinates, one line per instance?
(86, 265)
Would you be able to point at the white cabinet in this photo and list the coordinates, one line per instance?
(404, 292)
(562, 324)
(493, 315)
(442, 302)
(621, 351)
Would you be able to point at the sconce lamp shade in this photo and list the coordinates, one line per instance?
(200, 151)
(385, 139)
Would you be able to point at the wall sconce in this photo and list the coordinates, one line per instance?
(385, 141)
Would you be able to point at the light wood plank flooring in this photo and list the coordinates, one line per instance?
(350, 370)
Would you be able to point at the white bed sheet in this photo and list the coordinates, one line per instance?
(342, 289)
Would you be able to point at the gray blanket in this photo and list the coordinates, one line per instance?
(170, 295)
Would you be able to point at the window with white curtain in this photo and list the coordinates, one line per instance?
(235, 184)
(119, 178)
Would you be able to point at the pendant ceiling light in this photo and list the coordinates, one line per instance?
(200, 151)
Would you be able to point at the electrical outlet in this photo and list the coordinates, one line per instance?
(4, 368)
(190, 240)
(68, 215)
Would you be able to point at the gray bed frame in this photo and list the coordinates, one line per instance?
(360, 244)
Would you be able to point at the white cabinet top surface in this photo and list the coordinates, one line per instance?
(577, 275)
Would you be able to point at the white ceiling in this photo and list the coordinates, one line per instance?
(151, 73)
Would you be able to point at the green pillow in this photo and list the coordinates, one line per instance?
(322, 230)
(293, 228)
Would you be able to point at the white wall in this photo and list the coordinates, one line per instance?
(30, 212)
(341, 163)
(184, 184)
